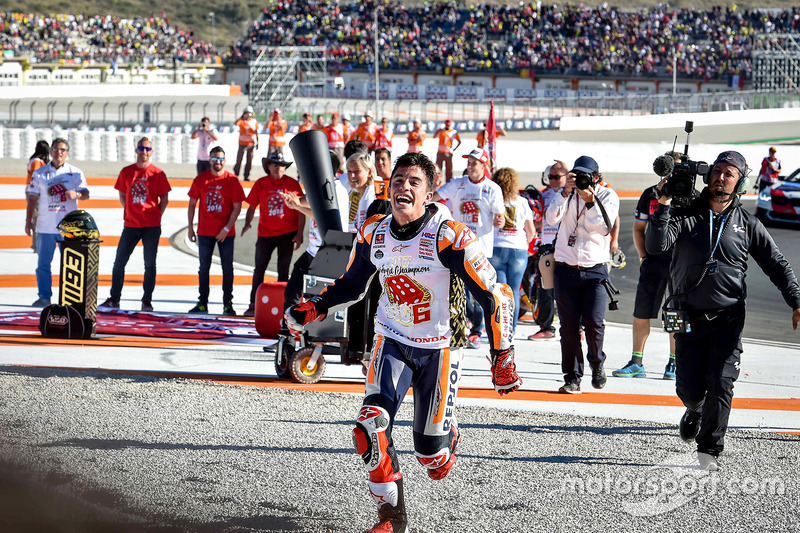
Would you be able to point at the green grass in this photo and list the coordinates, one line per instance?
(234, 17)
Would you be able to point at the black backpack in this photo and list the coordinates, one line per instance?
(61, 322)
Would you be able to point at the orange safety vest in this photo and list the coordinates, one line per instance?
(446, 138)
(335, 136)
(367, 134)
(277, 130)
(306, 127)
(384, 139)
(415, 140)
(247, 131)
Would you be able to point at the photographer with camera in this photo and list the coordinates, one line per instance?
(206, 135)
(584, 212)
(713, 238)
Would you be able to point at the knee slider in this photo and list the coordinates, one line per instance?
(372, 442)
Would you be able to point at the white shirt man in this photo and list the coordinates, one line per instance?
(56, 188)
(586, 212)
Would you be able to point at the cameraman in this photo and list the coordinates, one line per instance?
(206, 135)
(713, 239)
(584, 212)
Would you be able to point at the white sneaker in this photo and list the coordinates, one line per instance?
(707, 462)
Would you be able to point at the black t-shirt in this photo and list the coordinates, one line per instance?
(647, 205)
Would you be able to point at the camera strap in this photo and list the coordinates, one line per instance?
(603, 212)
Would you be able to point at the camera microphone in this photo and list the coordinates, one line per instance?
(663, 165)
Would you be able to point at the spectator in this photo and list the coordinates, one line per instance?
(55, 189)
(307, 123)
(220, 196)
(383, 163)
(206, 135)
(581, 254)
(360, 189)
(482, 134)
(248, 142)
(444, 157)
(557, 179)
(416, 137)
(144, 194)
(510, 254)
(320, 123)
(277, 128)
(279, 228)
(39, 158)
(477, 202)
(367, 131)
(770, 170)
(348, 128)
(335, 134)
(384, 136)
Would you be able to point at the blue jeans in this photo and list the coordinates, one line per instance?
(510, 265)
(205, 247)
(45, 249)
(127, 242)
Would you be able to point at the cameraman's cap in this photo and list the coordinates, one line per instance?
(276, 158)
(732, 158)
(586, 165)
(480, 154)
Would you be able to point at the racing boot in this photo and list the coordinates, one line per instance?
(391, 518)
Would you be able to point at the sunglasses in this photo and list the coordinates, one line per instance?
(555, 176)
(59, 149)
(216, 159)
(144, 148)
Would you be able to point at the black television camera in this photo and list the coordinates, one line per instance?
(681, 175)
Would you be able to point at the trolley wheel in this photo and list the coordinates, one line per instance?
(282, 361)
(297, 366)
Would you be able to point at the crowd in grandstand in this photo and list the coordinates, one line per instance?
(100, 39)
(552, 39)
(548, 39)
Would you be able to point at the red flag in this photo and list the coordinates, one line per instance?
(491, 137)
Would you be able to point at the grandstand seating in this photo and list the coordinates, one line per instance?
(550, 39)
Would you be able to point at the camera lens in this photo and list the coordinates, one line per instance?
(583, 181)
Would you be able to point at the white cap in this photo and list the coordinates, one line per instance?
(346, 116)
(248, 109)
(368, 113)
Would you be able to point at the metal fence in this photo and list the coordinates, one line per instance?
(524, 113)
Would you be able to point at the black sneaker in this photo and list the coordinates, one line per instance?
(200, 308)
(227, 309)
(251, 311)
(147, 305)
(570, 388)
(109, 303)
(689, 425)
(598, 377)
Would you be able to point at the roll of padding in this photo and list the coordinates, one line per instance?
(547, 268)
(310, 152)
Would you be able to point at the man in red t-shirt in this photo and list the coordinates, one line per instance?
(279, 227)
(143, 192)
(220, 196)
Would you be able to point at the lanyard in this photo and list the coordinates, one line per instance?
(578, 211)
(711, 243)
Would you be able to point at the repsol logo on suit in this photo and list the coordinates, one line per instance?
(450, 402)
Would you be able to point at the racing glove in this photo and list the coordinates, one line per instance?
(301, 314)
(504, 372)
